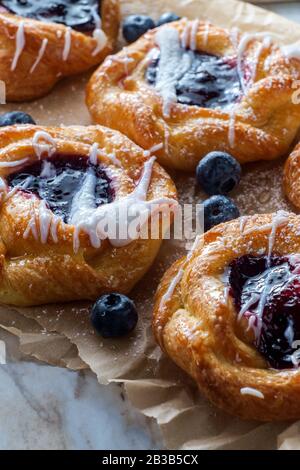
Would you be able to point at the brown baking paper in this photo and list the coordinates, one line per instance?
(62, 335)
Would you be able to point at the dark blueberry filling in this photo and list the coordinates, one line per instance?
(78, 14)
(270, 290)
(58, 179)
(210, 82)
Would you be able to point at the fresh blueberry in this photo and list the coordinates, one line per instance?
(134, 26)
(218, 209)
(167, 18)
(218, 173)
(15, 117)
(114, 315)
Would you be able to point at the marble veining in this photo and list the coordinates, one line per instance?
(44, 407)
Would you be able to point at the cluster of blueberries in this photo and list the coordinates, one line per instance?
(218, 173)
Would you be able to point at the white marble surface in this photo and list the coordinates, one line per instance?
(43, 407)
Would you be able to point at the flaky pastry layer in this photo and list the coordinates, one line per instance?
(196, 323)
(260, 126)
(38, 271)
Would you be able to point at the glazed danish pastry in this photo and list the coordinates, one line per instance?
(189, 88)
(291, 179)
(229, 315)
(41, 44)
(60, 187)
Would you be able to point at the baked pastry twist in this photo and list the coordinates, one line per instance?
(60, 187)
(291, 179)
(40, 44)
(190, 87)
(228, 314)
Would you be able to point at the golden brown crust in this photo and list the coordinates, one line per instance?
(196, 323)
(33, 272)
(291, 180)
(119, 97)
(27, 81)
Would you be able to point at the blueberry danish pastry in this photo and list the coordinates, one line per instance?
(42, 42)
(229, 315)
(189, 88)
(68, 197)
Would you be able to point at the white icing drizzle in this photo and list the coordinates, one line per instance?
(185, 36)
(206, 33)
(243, 221)
(47, 223)
(176, 280)
(67, 44)
(95, 152)
(3, 186)
(126, 59)
(113, 159)
(280, 218)
(173, 64)
(48, 144)
(291, 51)
(194, 31)
(45, 217)
(253, 392)
(246, 38)
(84, 216)
(55, 221)
(155, 148)
(13, 164)
(255, 320)
(20, 44)
(48, 170)
(262, 46)
(98, 33)
(231, 132)
(31, 228)
(252, 301)
(101, 38)
(295, 358)
(40, 55)
(93, 156)
(226, 295)
(234, 36)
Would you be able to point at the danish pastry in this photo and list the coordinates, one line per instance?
(228, 314)
(291, 179)
(60, 188)
(190, 87)
(41, 44)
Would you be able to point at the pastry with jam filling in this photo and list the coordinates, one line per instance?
(42, 42)
(229, 315)
(189, 88)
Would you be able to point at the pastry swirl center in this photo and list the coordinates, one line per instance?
(267, 293)
(208, 82)
(58, 179)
